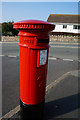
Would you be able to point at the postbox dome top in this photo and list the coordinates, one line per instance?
(33, 24)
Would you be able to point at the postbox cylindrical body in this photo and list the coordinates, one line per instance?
(33, 53)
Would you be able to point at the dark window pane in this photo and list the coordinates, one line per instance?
(79, 27)
(64, 26)
(75, 27)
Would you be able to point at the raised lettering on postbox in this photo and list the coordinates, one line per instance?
(29, 41)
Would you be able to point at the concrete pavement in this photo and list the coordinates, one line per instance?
(62, 101)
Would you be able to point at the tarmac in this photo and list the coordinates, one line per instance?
(62, 99)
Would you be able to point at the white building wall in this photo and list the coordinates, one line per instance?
(59, 28)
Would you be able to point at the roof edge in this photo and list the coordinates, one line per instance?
(66, 14)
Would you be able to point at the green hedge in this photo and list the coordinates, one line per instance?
(7, 29)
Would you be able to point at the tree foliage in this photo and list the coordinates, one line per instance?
(7, 29)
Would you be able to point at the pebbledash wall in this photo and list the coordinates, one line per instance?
(52, 38)
(63, 38)
(65, 23)
(9, 38)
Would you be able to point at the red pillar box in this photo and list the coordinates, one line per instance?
(33, 52)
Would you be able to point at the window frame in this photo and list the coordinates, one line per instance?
(76, 27)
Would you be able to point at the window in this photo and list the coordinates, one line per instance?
(64, 26)
(76, 27)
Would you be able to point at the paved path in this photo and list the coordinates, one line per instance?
(62, 100)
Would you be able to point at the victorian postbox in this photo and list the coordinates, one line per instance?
(33, 53)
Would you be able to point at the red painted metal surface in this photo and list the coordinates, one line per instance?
(33, 43)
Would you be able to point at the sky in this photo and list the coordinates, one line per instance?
(17, 11)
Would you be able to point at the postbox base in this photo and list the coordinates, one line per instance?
(32, 112)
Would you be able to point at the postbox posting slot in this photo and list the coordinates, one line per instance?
(42, 40)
